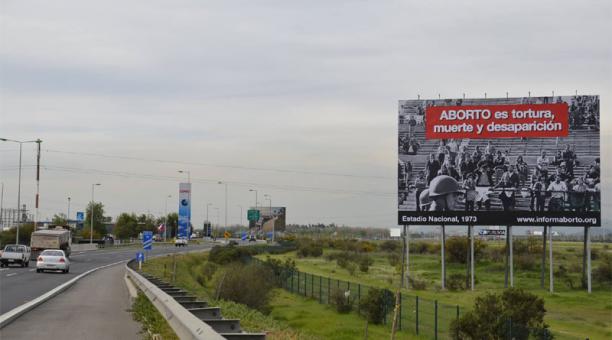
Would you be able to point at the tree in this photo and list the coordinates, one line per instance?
(514, 312)
(59, 219)
(172, 224)
(126, 226)
(98, 219)
(25, 233)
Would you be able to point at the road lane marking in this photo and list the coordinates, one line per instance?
(3, 269)
(11, 274)
(31, 270)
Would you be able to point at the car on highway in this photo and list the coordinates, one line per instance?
(15, 254)
(180, 242)
(52, 259)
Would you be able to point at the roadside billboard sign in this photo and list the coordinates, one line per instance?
(531, 161)
(184, 212)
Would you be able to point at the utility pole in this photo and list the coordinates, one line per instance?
(38, 141)
(68, 212)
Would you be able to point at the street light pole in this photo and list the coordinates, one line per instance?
(225, 183)
(68, 212)
(38, 141)
(255, 197)
(19, 216)
(240, 214)
(92, 213)
(269, 198)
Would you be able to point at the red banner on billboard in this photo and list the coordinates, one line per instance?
(497, 121)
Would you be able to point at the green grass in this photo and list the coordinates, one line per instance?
(571, 313)
(152, 321)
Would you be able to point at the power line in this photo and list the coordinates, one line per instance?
(225, 166)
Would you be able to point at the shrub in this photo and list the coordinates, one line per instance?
(496, 254)
(390, 246)
(394, 259)
(209, 270)
(282, 270)
(418, 248)
(351, 268)
(365, 263)
(491, 314)
(456, 282)
(366, 247)
(417, 283)
(375, 304)
(341, 302)
(458, 248)
(603, 272)
(256, 294)
(309, 249)
(525, 262)
(228, 254)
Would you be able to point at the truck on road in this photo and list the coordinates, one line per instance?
(15, 254)
(55, 238)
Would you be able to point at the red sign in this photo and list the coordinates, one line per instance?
(497, 121)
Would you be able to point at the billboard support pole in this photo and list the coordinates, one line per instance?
(407, 253)
(542, 275)
(507, 260)
(584, 258)
(550, 260)
(588, 245)
(472, 257)
(443, 260)
(467, 257)
(511, 260)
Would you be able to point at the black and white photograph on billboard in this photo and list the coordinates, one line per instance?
(513, 161)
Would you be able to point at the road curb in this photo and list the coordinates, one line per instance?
(16, 312)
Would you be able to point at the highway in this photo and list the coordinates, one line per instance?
(20, 285)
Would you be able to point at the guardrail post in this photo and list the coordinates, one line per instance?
(173, 268)
(417, 315)
(436, 319)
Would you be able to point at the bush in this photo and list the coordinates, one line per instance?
(228, 254)
(390, 246)
(309, 249)
(603, 272)
(282, 270)
(491, 314)
(496, 254)
(365, 263)
(525, 262)
(456, 282)
(209, 270)
(366, 247)
(351, 268)
(231, 285)
(394, 259)
(458, 249)
(375, 304)
(342, 303)
(417, 283)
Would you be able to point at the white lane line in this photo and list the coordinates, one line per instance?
(11, 274)
(31, 270)
(3, 269)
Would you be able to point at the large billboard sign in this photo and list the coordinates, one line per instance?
(184, 212)
(500, 161)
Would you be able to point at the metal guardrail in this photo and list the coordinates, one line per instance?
(185, 324)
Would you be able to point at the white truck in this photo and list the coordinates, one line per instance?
(15, 254)
(57, 238)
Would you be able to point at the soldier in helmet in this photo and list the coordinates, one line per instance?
(444, 192)
(424, 200)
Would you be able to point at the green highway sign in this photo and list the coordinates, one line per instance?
(253, 215)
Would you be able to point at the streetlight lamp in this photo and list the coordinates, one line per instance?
(269, 198)
(225, 183)
(92, 212)
(166, 217)
(19, 182)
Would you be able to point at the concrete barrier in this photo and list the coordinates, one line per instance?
(83, 247)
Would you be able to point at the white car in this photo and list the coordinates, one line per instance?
(180, 242)
(52, 259)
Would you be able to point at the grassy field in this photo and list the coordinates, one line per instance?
(571, 312)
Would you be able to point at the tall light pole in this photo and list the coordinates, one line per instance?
(239, 206)
(166, 217)
(68, 212)
(92, 213)
(217, 209)
(19, 218)
(269, 198)
(255, 197)
(225, 183)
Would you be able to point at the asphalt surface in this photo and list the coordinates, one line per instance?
(96, 307)
(20, 285)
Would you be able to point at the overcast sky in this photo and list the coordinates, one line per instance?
(295, 99)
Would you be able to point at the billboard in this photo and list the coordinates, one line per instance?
(184, 211)
(500, 161)
(269, 216)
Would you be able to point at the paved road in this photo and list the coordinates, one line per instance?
(96, 307)
(20, 285)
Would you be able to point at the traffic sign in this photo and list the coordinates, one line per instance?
(244, 236)
(147, 240)
(80, 216)
(140, 256)
(253, 215)
(227, 234)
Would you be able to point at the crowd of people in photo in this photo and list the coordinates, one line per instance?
(493, 169)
